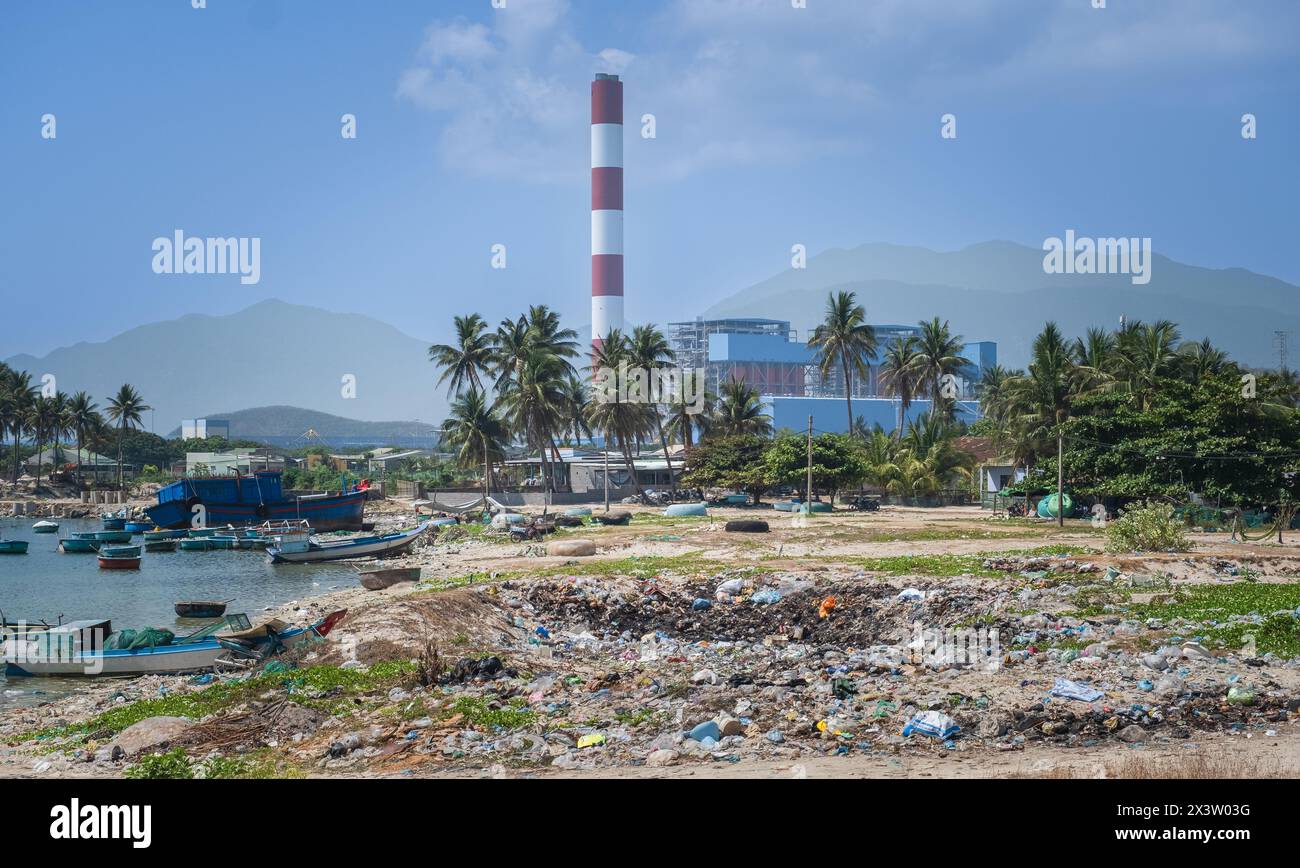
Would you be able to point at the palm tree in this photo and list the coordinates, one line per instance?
(83, 417)
(475, 433)
(649, 350)
(1201, 361)
(688, 418)
(900, 374)
(20, 395)
(939, 356)
(533, 402)
(1147, 353)
(740, 411)
(125, 410)
(624, 423)
(1045, 397)
(844, 337)
(577, 400)
(468, 359)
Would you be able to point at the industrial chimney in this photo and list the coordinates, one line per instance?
(606, 206)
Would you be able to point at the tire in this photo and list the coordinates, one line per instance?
(746, 525)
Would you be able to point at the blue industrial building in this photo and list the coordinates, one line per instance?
(831, 414)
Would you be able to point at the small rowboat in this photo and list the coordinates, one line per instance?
(162, 545)
(377, 580)
(13, 547)
(45, 527)
(160, 535)
(138, 526)
(299, 548)
(80, 546)
(113, 522)
(201, 608)
(196, 545)
(119, 563)
(105, 536)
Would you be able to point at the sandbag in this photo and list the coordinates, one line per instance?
(571, 548)
(746, 525)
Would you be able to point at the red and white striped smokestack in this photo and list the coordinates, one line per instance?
(606, 206)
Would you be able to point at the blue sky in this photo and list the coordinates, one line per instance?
(775, 126)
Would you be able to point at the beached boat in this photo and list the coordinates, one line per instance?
(13, 546)
(72, 545)
(302, 548)
(201, 608)
(78, 648)
(45, 527)
(249, 500)
(377, 580)
(162, 545)
(105, 536)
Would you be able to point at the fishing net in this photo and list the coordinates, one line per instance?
(130, 640)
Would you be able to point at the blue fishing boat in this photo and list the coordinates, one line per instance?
(299, 547)
(247, 500)
(72, 544)
(105, 536)
(13, 546)
(114, 520)
(160, 535)
(138, 526)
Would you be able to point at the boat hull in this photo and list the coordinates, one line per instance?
(327, 512)
(79, 546)
(13, 547)
(119, 563)
(347, 549)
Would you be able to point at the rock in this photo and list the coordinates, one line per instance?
(661, 758)
(1132, 734)
(571, 548)
(150, 733)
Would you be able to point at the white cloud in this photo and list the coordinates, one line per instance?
(753, 82)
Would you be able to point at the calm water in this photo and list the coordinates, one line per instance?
(45, 583)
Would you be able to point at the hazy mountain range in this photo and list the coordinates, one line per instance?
(277, 357)
(998, 291)
(282, 423)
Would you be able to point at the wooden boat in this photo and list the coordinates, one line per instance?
(160, 535)
(105, 536)
(302, 548)
(80, 546)
(45, 527)
(13, 546)
(119, 557)
(162, 545)
(201, 608)
(78, 648)
(377, 580)
(247, 500)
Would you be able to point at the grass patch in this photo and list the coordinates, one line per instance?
(514, 715)
(929, 565)
(340, 685)
(1279, 633)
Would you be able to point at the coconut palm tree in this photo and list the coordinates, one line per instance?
(688, 418)
(624, 423)
(1201, 361)
(1147, 352)
(465, 362)
(900, 374)
(577, 400)
(939, 356)
(740, 411)
(1045, 396)
(533, 403)
(844, 338)
(650, 351)
(125, 410)
(19, 396)
(83, 418)
(475, 433)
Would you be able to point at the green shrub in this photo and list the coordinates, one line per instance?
(1146, 527)
(173, 765)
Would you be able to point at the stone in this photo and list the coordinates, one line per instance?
(1132, 734)
(149, 733)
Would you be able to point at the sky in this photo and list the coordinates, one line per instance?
(775, 125)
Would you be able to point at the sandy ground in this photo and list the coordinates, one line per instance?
(472, 589)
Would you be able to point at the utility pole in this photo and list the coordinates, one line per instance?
(808, 491)
(1060, 475)
(606, 451)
